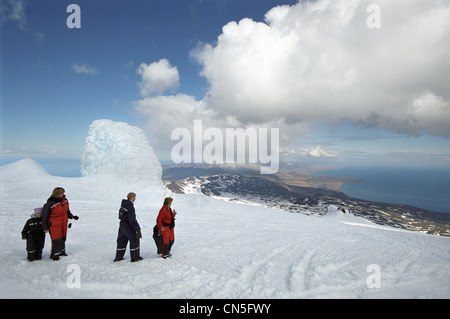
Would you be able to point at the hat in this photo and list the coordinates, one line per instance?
(36, 211)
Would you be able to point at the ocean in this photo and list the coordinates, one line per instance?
(427, 188)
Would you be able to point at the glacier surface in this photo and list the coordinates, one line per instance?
(222, 249)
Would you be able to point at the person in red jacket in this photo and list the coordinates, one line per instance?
(166, 224)
(55, 217)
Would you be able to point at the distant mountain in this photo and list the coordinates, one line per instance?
(245, 185)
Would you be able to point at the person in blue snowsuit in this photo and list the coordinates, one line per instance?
(129, 230)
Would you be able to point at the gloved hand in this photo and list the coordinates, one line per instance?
(139, 234)
(75, 217)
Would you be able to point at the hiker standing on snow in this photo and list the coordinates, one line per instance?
(55, 217)
(129, 230)
(166, 224)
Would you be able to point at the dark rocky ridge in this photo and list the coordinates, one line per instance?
(272, 191)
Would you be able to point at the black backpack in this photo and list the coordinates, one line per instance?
(123, 214)
(158, 239)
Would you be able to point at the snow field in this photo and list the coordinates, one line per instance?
(228, 250)
(222, 249)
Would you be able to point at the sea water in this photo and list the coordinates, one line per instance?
(427, 188)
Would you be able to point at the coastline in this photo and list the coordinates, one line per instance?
(301, 193)
(423, 187)
(332, 183)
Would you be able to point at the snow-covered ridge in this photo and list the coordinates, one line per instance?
(256, 190)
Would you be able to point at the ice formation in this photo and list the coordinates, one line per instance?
(118, 149)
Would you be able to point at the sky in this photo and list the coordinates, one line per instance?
(346, 82)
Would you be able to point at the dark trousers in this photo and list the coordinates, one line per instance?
(168, 238)
(127, 234)
(35, 244)
(58, 233)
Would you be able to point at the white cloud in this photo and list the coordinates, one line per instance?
(168, 112)
(158, 77)
(163, 114)
(316, 152)
(319, 61)
(429, 110)
(319, 152)
(39, 36)
(83, 69)
(314, 62)
(14, 10)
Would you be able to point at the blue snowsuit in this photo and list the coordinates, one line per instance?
(128, 231)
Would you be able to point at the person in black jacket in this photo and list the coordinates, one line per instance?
(34, 235)
(129, 230)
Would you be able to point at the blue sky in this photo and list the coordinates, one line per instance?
(340, 92)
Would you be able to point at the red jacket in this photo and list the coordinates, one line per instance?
(165, 217)
(55, 209)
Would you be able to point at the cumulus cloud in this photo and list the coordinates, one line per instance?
(163, 114)
(320, 61)
(168, 112)
(158, 77)
(319, 152)
(316, 152)
(313, 62)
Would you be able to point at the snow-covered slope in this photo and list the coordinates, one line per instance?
(222, 249)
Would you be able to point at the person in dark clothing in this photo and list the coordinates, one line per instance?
(34, 235)
(55, 217)
(129, 230)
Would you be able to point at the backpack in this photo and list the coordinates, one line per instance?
(158, 239)
(123, 214)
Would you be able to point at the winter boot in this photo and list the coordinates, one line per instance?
(166, 251)
(54, 257)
